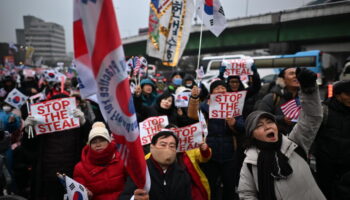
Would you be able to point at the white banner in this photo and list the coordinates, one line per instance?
(226, 105)
(169, 29)
(151, 126)
(54, 115)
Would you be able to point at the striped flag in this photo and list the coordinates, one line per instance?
(212, 14)
(99, 54)
(291, 109)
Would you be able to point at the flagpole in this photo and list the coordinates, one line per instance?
(200, 41)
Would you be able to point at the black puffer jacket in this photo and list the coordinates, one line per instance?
(333, 138)
(174, 184)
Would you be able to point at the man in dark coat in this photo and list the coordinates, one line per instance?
(169, 180)
(332, 144)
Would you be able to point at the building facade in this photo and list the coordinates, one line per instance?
(47, 39)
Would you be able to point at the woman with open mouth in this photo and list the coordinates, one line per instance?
(275, 166)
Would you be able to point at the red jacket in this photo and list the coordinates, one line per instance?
(105, 182)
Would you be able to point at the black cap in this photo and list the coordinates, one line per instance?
(341, 86)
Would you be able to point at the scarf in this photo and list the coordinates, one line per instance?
(272, 165)
(103, 157)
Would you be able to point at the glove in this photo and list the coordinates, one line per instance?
(79, 114)
(30, 121)
(307, 80)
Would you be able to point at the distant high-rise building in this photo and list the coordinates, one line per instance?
(47, 38)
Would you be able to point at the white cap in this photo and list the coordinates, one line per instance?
(99, 130)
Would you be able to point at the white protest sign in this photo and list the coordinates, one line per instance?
(151, 126)
(238, 67)
(226, 105)
(54, 115)
(182, 99)
(189, 136)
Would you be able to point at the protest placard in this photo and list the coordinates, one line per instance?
(189, 137)
(54, 115)
(238, 67)
(182, 99)
(226, 105)
(151, 126)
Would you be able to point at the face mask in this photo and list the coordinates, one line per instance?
(177, 81)
(163, 156)
(6, 108)
(189, 85)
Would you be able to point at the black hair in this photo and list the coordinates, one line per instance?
(164, 134)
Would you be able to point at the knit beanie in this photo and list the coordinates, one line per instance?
(215, 83)
(341, 86)
(253, 118)
(147, 82)
(281, 74)
(99, 130)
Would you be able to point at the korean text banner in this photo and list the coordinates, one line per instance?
(169, 28)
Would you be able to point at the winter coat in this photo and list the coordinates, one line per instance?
(300, 184)
(150, 99)
(221, 139)
(174, 184)
(56, 152)
(105, 182)
(272, 103)
(332, 150)
(200, 185)
(4, 121)
(333, 138)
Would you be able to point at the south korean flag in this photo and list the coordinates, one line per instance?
(75, 190)
(16, 99)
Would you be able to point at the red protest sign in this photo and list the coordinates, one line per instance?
(226, 105)
(54, 115)
(151, 126)
(238, 67)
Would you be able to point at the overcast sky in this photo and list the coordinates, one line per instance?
(131, 14)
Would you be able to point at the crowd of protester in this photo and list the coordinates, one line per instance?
(261, 154)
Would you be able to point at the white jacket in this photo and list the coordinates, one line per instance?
(300, 184)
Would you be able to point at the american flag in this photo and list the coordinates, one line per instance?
(291, 109)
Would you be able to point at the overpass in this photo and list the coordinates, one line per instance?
(325, 27)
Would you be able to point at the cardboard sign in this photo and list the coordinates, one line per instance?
(54, 115)
(226, 105)
(151, 126)
(238, 67)
(189, 136)
(182, 99)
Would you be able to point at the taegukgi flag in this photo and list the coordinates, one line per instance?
(75, 190)
(16, 99)
(98, 48)
(212, 14)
